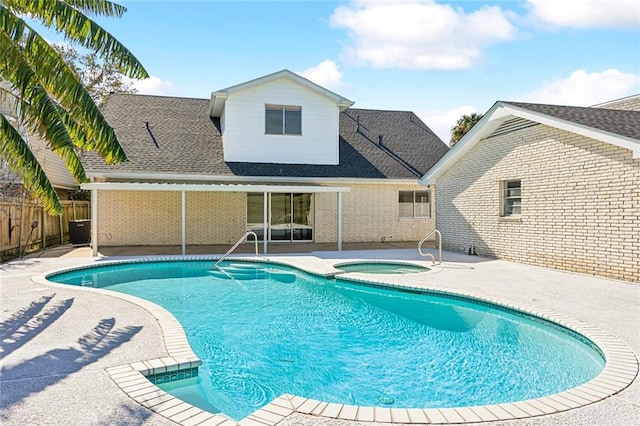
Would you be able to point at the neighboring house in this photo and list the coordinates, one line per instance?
(52, 164)
(279, 155)
(556, 186)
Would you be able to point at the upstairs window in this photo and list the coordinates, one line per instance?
(511, 198)
(414, 204)
(283, 120)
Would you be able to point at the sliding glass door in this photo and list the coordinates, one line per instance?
(290, 216)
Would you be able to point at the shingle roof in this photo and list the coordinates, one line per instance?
(190, 142)
(620, 122)
(614, 126)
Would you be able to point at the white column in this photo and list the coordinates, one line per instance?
(339, 220)
(183, 224)
(94, 221)
(265, 223)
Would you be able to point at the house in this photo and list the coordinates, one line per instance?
(550, 185)
(53, 166)
(278, 155)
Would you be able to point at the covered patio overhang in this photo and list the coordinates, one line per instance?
(183, 188)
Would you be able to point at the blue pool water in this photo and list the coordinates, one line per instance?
(262, 330)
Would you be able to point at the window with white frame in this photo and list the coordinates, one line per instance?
(414, 204)
(511, 198)
(283, 120)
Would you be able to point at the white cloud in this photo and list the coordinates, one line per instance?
(419, 34)
(154, 86)
(325, 74)
(584, 89)
(441, 122)
(587, 13)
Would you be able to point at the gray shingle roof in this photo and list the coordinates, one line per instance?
(621, 122)
(189, 142)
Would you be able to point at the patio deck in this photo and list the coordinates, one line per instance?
(57, 342)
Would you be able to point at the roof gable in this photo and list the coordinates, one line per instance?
(616, 127)
(219, 97)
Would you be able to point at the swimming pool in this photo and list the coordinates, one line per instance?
(348, 342)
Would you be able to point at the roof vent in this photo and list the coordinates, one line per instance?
(153, 138)
(357, 124)
(380, 142)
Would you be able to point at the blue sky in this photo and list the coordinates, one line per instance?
(440, 59)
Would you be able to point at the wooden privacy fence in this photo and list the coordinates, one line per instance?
(26, 227)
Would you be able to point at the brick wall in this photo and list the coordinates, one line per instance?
(138, 218)
(215, 217)
(580, 203)
(369, 213)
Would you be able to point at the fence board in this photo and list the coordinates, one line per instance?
(15, 226)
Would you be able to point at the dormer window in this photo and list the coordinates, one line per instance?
(283, 120)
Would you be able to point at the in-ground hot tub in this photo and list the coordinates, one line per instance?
(381, 267)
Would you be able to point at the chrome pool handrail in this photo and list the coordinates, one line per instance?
(235, 246)
(439, 242)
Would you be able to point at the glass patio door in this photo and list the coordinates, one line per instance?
(280, 223)
(290, 216)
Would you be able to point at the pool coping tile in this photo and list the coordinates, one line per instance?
(348, 412)
(621, 365)
(483, 413)
(417, 415)
(365, 414)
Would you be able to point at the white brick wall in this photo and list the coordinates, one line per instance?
(580, 203)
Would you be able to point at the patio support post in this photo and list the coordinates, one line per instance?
(265, 223)
(94, 221)
(339, 221)
(183, 224)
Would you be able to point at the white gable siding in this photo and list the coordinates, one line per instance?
(53, 166)
(244, 137)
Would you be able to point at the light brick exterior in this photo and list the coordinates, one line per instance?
(369, 213)
(138, 218)
(580, 202)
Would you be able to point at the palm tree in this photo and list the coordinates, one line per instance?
(49, 98)
(462, 127)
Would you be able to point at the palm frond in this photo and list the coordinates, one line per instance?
(15, 150)
(77, 27)
(30, 60)
(98, 7)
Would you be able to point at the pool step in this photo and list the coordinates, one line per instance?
(239, 274)
(251, 272)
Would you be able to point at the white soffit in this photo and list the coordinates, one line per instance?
(196, 187)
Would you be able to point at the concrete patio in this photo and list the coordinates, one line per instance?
(57, 342)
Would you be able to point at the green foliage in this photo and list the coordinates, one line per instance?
(99, 76)
(462, 127)
(44, 95)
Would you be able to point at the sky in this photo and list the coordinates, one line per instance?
(439, 59)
